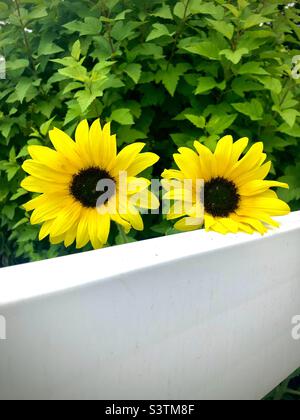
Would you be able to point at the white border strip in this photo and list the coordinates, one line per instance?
(31, 280)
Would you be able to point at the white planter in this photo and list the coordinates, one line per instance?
(191, 316)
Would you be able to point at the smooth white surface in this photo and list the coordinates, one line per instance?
(191, 316)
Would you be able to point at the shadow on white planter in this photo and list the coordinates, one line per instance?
(190, 316)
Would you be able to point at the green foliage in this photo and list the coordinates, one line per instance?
(167, 72)
(288, 390)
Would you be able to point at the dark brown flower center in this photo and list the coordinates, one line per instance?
(92, 186)
(221, 197)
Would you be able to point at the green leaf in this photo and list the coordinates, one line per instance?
(255, 39)
(129, 135)
(9, 211)
(44, 128)
(163, 12)
(226, 29)
(22, 221)
(252, 109)
(270, 83)
(85, 98)
(207, 49)
(254, 20)
(17, 64)
(90, 26)
(158, 31)
(77, 72)
(48, 47)
(76, 50)
(292, 178)
(37, 13)
(22, 88)
(198, 121)
(18, 194)
(206, 84)
(206, 8)
(234, 56)
(122, 15)
(74, 112)
(181, 139)
(146, 50)
(72, 86)
(124, 30)
(252, 67)
(134, 71)
(219, 123)
(240, 85)
(290, 131)
(122, 116)
(289, 116)
(170, 77)
(232, 9)
(180, 10)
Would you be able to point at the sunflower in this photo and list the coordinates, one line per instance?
(236, 195)
(68, 177)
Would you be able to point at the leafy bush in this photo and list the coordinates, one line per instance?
(165, 72)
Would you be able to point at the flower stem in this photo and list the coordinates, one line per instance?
(26, 41)
(179, 32)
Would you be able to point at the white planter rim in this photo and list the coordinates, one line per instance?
(32, 280)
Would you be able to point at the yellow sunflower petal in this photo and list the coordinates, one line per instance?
(55, 240)
(51, 159)
(237, 150)
(209, 221)
(171, 184)
(115, 217)
(252, 159)
(82, 142)
(192, 160)
(272, 206)
(207, 161)
(188, 224)
(219, 228)
(255, 224)
(135, 185)
(96, 145)
(223, 155)
(258, 186)
(172, 174)
(132, 215)
(66, 146)
(70, 236)
(50, 209)
(147, 200)
(181, 194)
(257, 214)
(126, 157)
(103, 227)
(66, 219)
(82, 237)
(35, 202)
(255, 174)
(142, 162)
(229, 224)
(111, 144)
(45, 229)
(243, 227)
(195, 210)
(268, 194)
(93, 229)
(39, 170)
(175, 212)
(37, 185)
